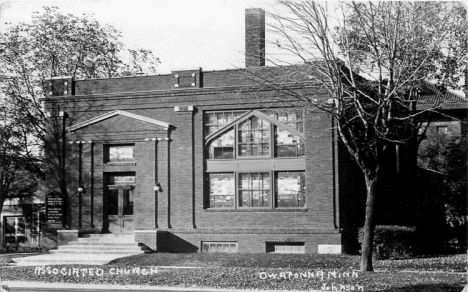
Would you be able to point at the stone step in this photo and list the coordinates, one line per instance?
(109, 235)
(65, 248)
(65, 259)
(94, 249)
(99, 251)
(100, 243)
(105, 239)
(75, 246)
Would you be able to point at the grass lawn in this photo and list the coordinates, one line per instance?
(449, 263)
(262, 271)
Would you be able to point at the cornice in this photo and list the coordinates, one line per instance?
(177, 92)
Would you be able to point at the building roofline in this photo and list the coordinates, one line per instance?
(115, 113)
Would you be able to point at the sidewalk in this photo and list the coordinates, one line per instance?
(39, 286)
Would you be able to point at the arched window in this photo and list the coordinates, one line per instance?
(255, 135)
(255, 160)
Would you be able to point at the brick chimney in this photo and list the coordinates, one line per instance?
(254, 37)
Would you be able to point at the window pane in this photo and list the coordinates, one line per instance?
(221, 190)
(290, 189)
(254, 190)
(254, 137)
(120, 179)
(216, 120)
(245, 199)
(113, 202)
(9, 223)
(15, 229)
(223, 147)
(442, 130)
(21, 225)
(128, 202)
(287, 144)
(291, 117)
(120, 152)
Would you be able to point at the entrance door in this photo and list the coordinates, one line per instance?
(120, 208)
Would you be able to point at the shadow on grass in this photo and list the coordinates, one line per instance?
(427, 288)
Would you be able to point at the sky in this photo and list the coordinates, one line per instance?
(184, 34)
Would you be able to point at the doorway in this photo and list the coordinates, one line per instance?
(120, 193)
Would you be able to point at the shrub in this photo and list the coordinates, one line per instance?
(455, 234)
(392, 242)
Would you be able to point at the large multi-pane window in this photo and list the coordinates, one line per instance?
(290, 186)
(256, 136)
(257, 189)
(221, 190)
(254, 190)
(239, 141)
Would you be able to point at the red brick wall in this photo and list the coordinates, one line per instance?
(178, 164)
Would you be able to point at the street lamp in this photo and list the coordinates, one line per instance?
(158, 188)
(81, 191)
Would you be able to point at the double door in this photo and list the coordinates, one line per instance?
(120, 208)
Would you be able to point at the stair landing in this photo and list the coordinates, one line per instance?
(91, 249)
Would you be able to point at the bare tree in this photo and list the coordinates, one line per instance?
(370, 59)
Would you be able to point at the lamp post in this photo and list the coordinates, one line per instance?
(80, 182)
(81, 191)
(157, 189)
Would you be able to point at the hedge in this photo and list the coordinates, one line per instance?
(392, 242)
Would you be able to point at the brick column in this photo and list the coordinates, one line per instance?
(73, 169)
(98, 186)
(163, 197)
(144, 212)
(183, 193)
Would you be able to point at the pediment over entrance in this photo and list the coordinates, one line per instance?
(120, 121)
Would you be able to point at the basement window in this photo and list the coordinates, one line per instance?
(285, 247)
(219, 246)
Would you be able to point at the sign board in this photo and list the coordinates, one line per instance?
(54, 208)
(329, 248)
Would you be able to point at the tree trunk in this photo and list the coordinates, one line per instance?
(367, 241)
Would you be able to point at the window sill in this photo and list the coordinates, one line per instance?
(257, 210)
(245, 158)
(121, 163)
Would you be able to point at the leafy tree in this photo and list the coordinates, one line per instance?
(446, 153)
(53, 44)
(16, 161)
(371, 59)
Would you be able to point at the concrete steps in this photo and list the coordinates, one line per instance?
(95, 249)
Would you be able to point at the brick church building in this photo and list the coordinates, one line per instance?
(200, 161)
